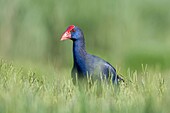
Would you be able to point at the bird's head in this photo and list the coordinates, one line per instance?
(72, 32)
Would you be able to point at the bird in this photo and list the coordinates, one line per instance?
(86, 64)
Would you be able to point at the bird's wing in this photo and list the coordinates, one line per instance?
(112, 71)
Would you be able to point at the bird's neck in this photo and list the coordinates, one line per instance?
(79, 51)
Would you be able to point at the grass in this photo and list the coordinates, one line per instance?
(31, 91)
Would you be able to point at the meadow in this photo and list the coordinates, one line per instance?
(35, 66)
(30, 91)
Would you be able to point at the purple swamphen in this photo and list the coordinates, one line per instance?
(86, 64)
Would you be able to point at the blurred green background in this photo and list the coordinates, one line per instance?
(127, 33)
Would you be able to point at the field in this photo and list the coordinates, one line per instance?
(30, 91)
(132, 35)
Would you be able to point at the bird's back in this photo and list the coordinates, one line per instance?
(96, 67)
(101, 68)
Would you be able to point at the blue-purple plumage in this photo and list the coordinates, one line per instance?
(86, 64)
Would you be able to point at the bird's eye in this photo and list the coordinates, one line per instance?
(73, 30)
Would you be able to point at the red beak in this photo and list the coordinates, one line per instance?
(66, 35)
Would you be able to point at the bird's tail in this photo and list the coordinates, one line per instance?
(120, 78)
